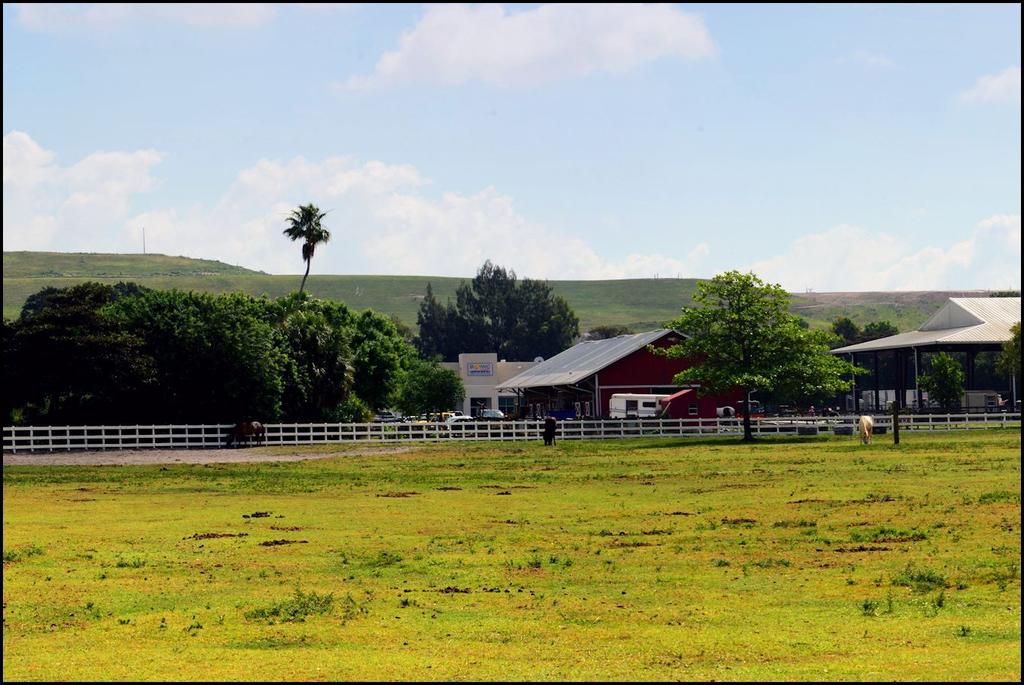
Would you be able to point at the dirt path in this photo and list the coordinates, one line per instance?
(170, 456)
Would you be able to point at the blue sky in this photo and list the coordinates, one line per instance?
(824, 147)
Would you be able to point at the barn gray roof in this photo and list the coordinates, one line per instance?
(962, 320)
(583, 360)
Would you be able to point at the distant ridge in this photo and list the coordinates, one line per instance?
(640, 303)
(100, 265)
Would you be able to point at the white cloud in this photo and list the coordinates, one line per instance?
(26, 164)
(846, 258)
(381, 219)
(455, 44)
(47, 17)
(47, 206)
(1001, 87)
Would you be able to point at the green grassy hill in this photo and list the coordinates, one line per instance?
(98, 265)
(642, 303)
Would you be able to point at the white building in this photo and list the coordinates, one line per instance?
(481, 374)
(971, 329)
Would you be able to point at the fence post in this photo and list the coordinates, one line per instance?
(895, 423)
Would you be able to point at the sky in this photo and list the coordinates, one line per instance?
(826, 148)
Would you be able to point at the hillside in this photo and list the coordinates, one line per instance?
(98, 265)
(638, 303)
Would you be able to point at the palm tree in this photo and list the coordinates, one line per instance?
(304, 223)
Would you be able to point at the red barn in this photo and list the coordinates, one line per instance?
(581, 380)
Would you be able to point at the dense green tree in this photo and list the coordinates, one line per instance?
(36, 301)
(1009, 359)
(67, 361)
(740, 335)
(545, 326)
(352, 410)
(221, 359)
(318, 335)
(878, 329)
(407, 332)
(13, 386)
(425, 386)
(436, 328)
(944, 381)
(306, 224)
(849, 333)
(379, 354)
(497, 313)
(605, 332)
(112, 354)
(341, 352)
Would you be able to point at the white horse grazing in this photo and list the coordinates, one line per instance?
(865, 425)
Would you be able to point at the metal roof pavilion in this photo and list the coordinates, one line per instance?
(583, 360)
(962, 320)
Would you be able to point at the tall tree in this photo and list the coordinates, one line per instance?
(221, 358)
(740, 335)
(878, 329)
(847, 330)
(851, 334)
(305, 224)
(1009, 359)
(435, 322)
(944, 381)
(318, 335)
(496, 313)
(66, 361)
(426, 386)
(379, 355)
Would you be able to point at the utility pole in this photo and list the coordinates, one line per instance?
(143, 240)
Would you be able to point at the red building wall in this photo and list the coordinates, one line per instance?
(642, 370)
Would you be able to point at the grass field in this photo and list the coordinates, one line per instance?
(641, 303)
(645, 559)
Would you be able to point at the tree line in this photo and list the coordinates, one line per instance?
(97, 353)
(849, 333)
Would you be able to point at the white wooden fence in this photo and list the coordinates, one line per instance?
(59, 438)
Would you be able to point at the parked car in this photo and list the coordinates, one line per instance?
(386, 417)
(490, 415)
(457, 423)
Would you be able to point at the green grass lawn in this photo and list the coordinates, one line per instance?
(643, 559)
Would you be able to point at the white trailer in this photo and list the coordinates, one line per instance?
(635, 406)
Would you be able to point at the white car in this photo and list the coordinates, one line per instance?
(456, 423)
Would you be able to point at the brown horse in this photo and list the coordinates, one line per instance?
(247, 430)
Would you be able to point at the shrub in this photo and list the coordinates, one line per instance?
(295, 609)
(385, 558)
(13, 555)
(921, 580)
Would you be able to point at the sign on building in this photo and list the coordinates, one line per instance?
(480, 369)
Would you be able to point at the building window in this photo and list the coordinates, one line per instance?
(693, 411)
(507, 405)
